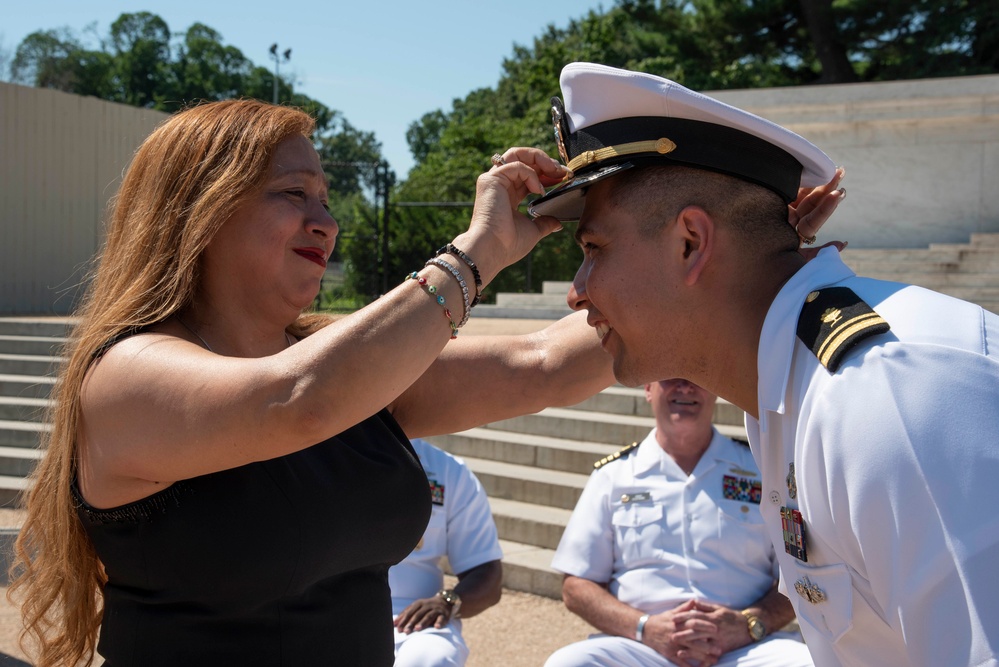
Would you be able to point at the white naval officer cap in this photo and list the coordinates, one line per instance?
(613, 119)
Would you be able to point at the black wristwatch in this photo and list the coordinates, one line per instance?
(452, 599)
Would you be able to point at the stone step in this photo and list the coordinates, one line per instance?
(599, 427)
(521, 312)
(32, 386)
(526, 523)
(631, 401)
(987, 263)
(24, 434)
(11, 488)
(990, 240)
(618, 400)
(531, 300)
(538, 486)
(32, 345)
(529, 568)
(15, 408)
(35, 326)
(556, 287)
(525, 449)
(18, 461)
(941, 253)
(572, 424)
(964, 251)
(937, 281)
(28, 364)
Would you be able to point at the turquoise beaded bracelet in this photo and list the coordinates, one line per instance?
(439, 298)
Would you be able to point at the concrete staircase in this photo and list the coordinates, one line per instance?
(28, 349)
(968, 271)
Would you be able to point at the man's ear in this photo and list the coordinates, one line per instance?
(697, 231)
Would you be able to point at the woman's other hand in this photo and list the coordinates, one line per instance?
(812, 208)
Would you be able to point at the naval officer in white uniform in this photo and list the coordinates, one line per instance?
(873, 407)
(666, 552)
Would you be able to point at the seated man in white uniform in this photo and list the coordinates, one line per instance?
(667, 555)
(428, 616)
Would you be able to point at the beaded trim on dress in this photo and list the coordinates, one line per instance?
(140, 510)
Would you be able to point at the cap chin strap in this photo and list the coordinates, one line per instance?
(661, 146)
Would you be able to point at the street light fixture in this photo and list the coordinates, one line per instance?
(277, 62)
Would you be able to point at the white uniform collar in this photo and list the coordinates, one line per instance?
(650, 455)
(781, 324)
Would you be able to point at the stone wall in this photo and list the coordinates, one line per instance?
(922, 157)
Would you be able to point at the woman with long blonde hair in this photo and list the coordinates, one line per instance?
(227, 479)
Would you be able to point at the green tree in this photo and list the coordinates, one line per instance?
(140, 45)
(46, 59)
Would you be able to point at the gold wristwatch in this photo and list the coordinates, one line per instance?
(452, 599)
(756, 628)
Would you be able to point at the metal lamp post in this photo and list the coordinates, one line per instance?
(277, 62)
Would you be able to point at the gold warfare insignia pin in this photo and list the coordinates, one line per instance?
(809, 591)
(792, 484)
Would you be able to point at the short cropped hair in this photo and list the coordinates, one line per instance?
(657, 194)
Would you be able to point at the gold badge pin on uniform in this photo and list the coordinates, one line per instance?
(809, 591)
(635, 497)
(792, 483)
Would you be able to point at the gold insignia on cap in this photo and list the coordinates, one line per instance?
(834, 322)
(559, 139)
(664, 146)
(812, 296)
(661, 146)
(616, 455)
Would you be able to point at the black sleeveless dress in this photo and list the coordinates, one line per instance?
(282, 562)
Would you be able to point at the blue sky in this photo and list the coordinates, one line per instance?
(383, 64)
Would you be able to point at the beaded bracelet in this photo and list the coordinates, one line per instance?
(450, 248)
(437, 297)
(461, 283)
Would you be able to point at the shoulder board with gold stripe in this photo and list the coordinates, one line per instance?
(833, 321)
(624, 451)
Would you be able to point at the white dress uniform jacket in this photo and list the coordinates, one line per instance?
(896, 475)
(661, 538)
(461, 528)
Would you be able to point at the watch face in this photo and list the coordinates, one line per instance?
(756, 629)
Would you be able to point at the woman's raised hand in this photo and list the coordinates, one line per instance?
(499, 232)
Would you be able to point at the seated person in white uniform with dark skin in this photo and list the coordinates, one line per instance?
(666, 553)
(428, 616)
